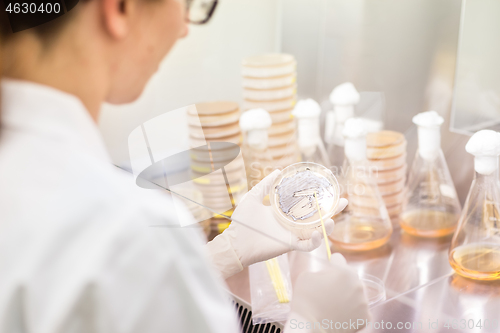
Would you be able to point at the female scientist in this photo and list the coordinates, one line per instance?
(76, 252)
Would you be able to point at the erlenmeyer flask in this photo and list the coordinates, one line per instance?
(475, 248)
(365, 223)
(256, 155)
(307, 113)
(344, 97)
(431, 207)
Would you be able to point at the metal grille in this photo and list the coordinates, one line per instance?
(244, 313)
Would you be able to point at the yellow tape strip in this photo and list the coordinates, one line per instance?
(325, 236)
(277, 280)
(223, 226)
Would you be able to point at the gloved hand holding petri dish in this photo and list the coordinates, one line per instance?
(303, 195)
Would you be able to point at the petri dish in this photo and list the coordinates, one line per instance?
(268, 65)
(283, 150)
(208, 167)
(393, 199)
(389, 176)
(388, 163)
(269, 83)
(285, 160)
(217, 107)
(268, 60)
(372, 201)
(384, 139)
(214, 132)
(215, 152)
(390, 188)
(281, 139)
(281, 116)
(269, 94)
(294, 203)
(270, 106)
(386, 152)
(213, 120)
(196, 142)
(214, 178)
(373, 287)
(280, 128)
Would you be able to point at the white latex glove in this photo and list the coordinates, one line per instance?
(333, 297)
(255, 235)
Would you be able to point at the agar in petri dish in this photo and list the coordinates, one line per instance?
(297, 193)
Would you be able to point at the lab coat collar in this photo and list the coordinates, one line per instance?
(44, 111)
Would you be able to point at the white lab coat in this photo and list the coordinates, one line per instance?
(76, 250)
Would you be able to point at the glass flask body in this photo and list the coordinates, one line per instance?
(336, 157)
(475, 248)
(315, 154)
(365, 223)
(431, 206)
(258, 163)
(336, 142)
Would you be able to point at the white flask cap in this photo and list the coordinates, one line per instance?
(428, 119)
(344, 94)
(255, 119)
(485, 146)
(429, 134)
(307, 108)
(255, 123)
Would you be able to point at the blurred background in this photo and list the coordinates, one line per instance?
(401, 56)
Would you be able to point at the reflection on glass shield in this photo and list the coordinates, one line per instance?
(476, 103)
(207, 178)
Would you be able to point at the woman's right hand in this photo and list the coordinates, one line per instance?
(333, 297)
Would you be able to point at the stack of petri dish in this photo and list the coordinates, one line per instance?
(386, 152)
(217, 166)
(269, 82)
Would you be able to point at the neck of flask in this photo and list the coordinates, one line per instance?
(486, 168)
(258, 139)
(355, 149)
(429, 142)
(330, 127)
(342, 113)
(308, 132)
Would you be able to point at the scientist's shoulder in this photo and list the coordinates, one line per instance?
(50, 184)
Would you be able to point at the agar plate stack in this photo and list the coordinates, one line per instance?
(217, 165)
(269, 82)
(386, 152)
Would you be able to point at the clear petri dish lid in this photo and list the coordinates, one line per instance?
(374, 288)
(292, 195)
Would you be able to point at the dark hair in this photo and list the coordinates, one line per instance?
(44, 31)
